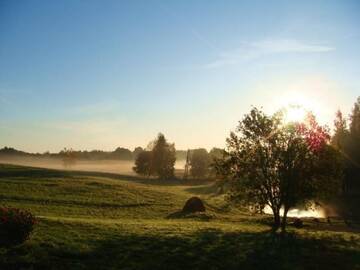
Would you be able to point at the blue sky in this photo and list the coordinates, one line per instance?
(102, 74)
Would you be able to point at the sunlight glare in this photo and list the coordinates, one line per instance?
(296, 106)
(295, 113)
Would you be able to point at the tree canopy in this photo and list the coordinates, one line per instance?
(279, 164)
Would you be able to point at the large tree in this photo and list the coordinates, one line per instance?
(279, 164)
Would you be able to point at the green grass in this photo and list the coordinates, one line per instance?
(107, 221)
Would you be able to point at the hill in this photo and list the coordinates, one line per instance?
(90, 220)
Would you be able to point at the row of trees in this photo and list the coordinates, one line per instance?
(347, 140)
(120, 153)
(159, 160)
(200, 162)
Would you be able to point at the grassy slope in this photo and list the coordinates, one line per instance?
(104, 221)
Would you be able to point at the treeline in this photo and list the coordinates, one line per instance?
(119, 153)
(346, 139)
(159, 160)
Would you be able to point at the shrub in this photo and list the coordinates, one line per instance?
(15, 226)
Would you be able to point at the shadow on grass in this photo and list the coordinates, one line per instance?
(204, 190)
(7, 170)
(201, 216)
(206, 249)
(30, 172)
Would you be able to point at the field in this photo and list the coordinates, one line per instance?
(98, 220)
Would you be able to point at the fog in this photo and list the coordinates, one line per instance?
(109, 166)
(315, 211)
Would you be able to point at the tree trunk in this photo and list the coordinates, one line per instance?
(277, 220)
(283, 222)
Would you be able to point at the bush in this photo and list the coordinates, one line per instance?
(15, 226)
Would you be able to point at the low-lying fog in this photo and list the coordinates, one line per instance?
(109, 166)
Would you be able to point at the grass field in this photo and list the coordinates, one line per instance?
(108, 221)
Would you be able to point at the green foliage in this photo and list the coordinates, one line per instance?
(216, 153)
(347, 141)
(137, 151)
(159, 160)
(199, 163)
(163, 158)
(355, 120)
(143, 163)
(122, 154)
(354, 149)
(279, 165)
(16, 226)
(341, 134)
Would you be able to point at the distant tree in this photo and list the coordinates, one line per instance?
(163, 157)
(122, 153)
(354, 151)
(341, 132)
(199, 163)
(68, 157)
(216, 153)
(340, 141)
(143, 163)
(355, 120)
(137, 151)
(280, 165)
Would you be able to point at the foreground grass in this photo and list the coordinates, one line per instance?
(99, 221)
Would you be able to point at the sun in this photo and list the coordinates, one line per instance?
(295, 113)
(296, 106)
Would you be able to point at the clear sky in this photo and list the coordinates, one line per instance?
(102, 74)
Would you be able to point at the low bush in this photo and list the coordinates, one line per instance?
(16, 226)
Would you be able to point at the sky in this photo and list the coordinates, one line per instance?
(102, 74)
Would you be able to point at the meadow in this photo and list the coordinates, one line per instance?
(99, 220)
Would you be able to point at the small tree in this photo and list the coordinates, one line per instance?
(143, 163)
(163, 157)
(199, 163)
(280, 165)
